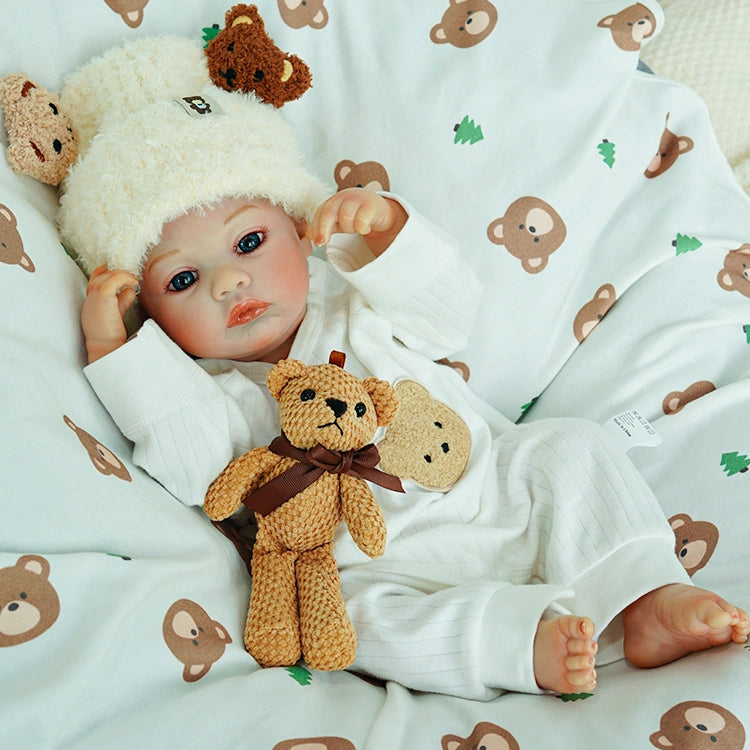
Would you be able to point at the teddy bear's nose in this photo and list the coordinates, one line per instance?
(336, 406)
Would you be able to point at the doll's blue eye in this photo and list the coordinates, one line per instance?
(249, 242)
(182, 281)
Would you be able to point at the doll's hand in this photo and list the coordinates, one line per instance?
(361, 211)
(109, 294)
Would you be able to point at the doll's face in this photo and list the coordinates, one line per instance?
(230, 282)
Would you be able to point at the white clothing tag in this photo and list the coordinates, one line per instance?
(631, 428)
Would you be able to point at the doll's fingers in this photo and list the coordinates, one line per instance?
(125, 299)
(112, 283)
(324, 221)
(98, 271)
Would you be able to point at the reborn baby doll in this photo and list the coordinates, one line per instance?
(501, 553)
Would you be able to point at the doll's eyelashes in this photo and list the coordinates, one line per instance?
(307, 395)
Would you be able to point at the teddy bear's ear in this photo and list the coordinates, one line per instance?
(245, 14)
(384, 398)
(281, 373)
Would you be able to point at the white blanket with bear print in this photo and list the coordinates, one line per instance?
(578, 186)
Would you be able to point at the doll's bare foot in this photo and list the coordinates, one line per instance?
(677, 619)
(564, 654)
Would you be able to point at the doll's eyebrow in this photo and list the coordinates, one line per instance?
(150, 265)
(246, 207)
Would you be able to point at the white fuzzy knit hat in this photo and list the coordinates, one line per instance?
(157, 140)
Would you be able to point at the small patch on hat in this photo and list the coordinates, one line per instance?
(199, 106)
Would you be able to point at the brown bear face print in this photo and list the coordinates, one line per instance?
(485, 735)
(11, 244)
(315, 743)
(593, 311)
(735, 275)
(695, 541)
(366, 174)
(531, 230)
(677, 400)
(697, 725)
(131, 11)
(671, 146)
(465, 23)
(299, 13)
(194, 638)
(29, 604)
(102, 457)
(630, 26)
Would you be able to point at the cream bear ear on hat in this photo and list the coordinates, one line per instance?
(122, 80)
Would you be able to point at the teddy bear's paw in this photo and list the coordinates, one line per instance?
(274, 646)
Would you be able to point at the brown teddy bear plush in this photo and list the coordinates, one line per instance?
(300, 487)
(41, 140)
(242, 57)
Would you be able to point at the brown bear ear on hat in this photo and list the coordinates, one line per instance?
(242, 57)
(281, 373)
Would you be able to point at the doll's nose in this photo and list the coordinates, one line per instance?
(228, 279)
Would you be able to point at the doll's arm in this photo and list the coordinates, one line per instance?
(109, 295)
(359, 211)
(244, 474)
(363, 516)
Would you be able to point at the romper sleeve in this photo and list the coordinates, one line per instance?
(421, 284)
(185, 424)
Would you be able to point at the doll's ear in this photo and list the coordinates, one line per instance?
(384, 398)
(281, 373)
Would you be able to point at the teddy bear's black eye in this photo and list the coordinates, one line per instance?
(307, 395)
(53, 108)
(360, 409)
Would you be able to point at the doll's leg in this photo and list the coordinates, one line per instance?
(328, 637)
(596, 521)
(272, 628)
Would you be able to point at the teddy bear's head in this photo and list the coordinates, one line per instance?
(242, 57)
(41, 141)
(326, 404)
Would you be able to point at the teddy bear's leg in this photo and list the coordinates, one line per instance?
(328, 637)
(272, 629)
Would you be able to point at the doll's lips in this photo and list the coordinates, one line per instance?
(246, 311)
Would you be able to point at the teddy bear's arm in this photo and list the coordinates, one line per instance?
(362, 515)
(245, 473)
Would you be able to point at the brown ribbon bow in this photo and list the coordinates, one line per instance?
(311, 464)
